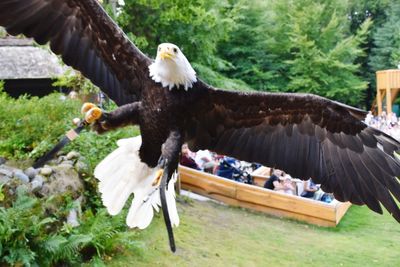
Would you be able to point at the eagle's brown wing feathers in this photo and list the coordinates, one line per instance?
(305, 135)
(86, 38)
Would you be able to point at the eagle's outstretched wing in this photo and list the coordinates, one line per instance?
(306, 136)
(86, 38)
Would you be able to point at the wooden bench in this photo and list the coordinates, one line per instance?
(261, 199)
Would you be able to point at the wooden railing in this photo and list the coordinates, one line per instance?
(260, 199)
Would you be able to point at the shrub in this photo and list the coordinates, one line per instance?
(33, 233)
(31, 125)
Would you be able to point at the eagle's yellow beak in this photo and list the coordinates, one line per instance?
(166, 54)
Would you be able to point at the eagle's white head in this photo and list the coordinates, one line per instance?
(171, 68)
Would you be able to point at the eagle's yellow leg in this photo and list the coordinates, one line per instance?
(157, 180)
(86, 107)
(91, 111)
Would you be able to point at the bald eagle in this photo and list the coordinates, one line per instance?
(303, 134)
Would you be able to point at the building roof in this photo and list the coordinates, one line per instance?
(21, 59)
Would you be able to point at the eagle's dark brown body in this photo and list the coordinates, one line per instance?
(305, 135)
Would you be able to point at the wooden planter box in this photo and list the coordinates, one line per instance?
(261, 199)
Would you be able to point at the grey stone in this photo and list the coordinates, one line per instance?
(68, 162)
(4, 179)
(72, 218)
(37, 183)
(21, 176)
(81, 167)
(2, 160)
(60, 153)
(46, 171)
(6, 172)
(61, 159)
(31, 172)
(64, 178)
(73, 155)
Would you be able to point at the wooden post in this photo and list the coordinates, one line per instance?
(379, 100)
(387, 85)
(388, 100)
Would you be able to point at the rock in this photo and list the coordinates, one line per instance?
(81, 167)
(72, 218)
(21, 176)
(2, 160)
(4, 179)
(6, 171)
(64, 178)
(68, 162)
(46, 171)
(37, 183)
(61, 159)
(60, 153)
(31, 172)
(72, 155)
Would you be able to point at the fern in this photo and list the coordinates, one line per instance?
(28, 236)
(54, 243)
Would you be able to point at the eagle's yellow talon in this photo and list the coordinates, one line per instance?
(93, 114)
(159, 174)
(86, 107)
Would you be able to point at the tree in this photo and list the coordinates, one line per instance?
(386, 53)
(301, 46)
(358, 12)
(195, 26)
(245, 48)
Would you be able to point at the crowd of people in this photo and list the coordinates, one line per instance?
(281, 182)
(223, 166)
(240, 171)
(387, 123)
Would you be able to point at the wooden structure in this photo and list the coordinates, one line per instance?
(260, 199)
(261, 175)
(387, 86)
(28, 69)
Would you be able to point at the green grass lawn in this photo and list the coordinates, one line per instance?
(211, 234)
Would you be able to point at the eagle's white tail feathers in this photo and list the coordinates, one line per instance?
(171, 203)
(122, 173)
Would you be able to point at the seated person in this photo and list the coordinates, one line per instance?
(205, 161)
(309, 189)
(226, 167)
(186, 159)
(286, 185)
(273, 181)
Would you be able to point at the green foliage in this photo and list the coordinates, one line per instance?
(93, 148)
(218, 80)
(76, 81)
(245, 49)
(195, 26)
(30, 126)
(386, 53)
(33, 233)
(298, 46)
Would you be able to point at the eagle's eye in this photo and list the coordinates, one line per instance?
(159, 48)
(175, 50)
